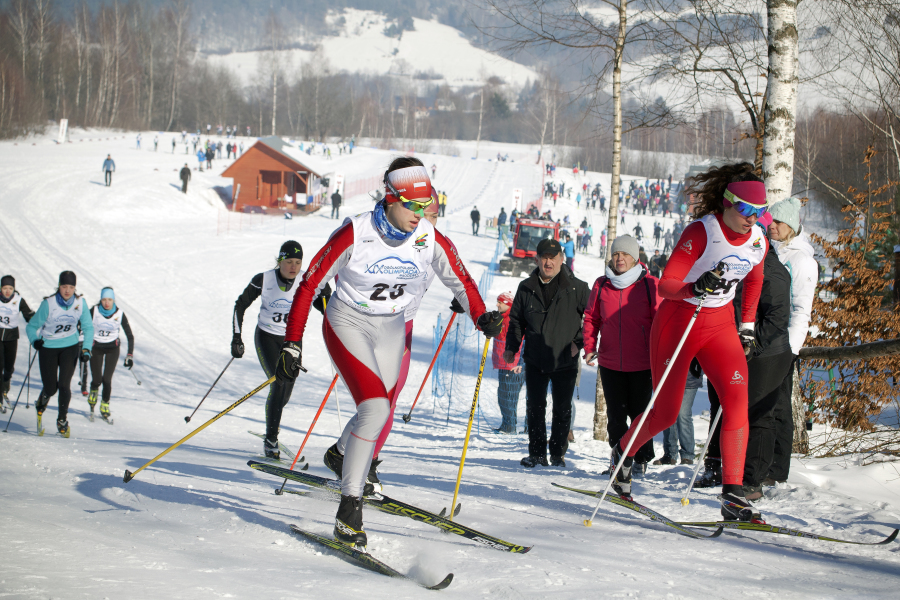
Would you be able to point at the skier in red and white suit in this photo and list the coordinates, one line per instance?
(381, 261)
(714, 253)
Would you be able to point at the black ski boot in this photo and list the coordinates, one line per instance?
(622, 483)
(4, 401)
(531, 462)
(735, 507)
(712, 474)
(348, 525)
(62, 427)
(334, 460)
(271, 449)
(372, 478)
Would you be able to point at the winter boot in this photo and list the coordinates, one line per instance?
(92, 399)
(752, 492)
(736, 507)
(712, 474)
(665, 460)
(348, 525)
(372, 478)
(40, 405)
(62, 427)
(271, 449)
(532, 461)
(104, 409)
(557, 461)
(622, 483)
(334, 460)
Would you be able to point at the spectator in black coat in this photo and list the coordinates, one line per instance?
(335, 205)
(547, 312)
(476, 218)
(185, 176)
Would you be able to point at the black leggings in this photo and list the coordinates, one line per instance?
(268, 348)
(99, 373)
(7, 362)
(627, 395)
(57, 368)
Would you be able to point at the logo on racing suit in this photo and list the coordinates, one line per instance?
(421, 241)
(363, 307)
(686, 246)
(737, 379)
(735, 265)
(756, 244)
(280, 303)
(393, 266)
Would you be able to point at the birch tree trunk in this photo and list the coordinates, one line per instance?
(600, 418)
(274, 97)
(480, 115)
(781, 99)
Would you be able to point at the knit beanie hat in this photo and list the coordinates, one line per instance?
(628, 245)
(506, 298)
(7, 280)
(787, 211)
(67, 278)
(290, 249)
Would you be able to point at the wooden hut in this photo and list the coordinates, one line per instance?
(273, 175)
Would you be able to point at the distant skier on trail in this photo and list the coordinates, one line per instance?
(109, 320)
(11, 304)
(275, 289)
(713, 254)
(185, 176)
(364, 327)
(54, 334)
(108, 167)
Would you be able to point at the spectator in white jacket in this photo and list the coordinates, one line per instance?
(795, 253)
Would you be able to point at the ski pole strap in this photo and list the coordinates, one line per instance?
(129, 475)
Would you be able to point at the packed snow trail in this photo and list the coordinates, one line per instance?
(199, 523)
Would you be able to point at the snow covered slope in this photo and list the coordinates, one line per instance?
(440, 51)
(200, 524)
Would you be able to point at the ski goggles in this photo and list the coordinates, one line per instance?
(417, 206)
(743, 207)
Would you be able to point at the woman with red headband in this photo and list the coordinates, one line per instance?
(381, 260)
(714, 253)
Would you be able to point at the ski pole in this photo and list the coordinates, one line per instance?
(336, 399)
(139, 382)
(280, 490)
(462, 460)
(129, 475)
(28, 380)
(20, 394)
(188, 419)
(687, 490)
(612, 476)
(408, 415)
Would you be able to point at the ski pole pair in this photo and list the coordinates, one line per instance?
(408, 415)
(20, 393)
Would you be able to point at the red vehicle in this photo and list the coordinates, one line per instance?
(525, 240)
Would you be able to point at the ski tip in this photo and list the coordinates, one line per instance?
(128, 476)
(717, 533)
(891, 537)
(445, 582)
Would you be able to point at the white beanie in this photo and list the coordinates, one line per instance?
(787, 211)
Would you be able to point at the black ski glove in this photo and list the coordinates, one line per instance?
(456, 307)
(129, 362)
(85, 355)
(490, 324)
(709, 283)
(748, 341)
(289, 362)
(237, 346)
(38, 344)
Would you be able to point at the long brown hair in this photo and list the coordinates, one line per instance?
(708, 188)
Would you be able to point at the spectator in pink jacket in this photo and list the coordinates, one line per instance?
(619, 314)
(510, 374)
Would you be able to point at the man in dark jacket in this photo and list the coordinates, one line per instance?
(547, 311)
(476, 217)
(336, 205)
(185, 176)
(768, 364)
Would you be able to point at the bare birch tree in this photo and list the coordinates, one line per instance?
(178, 17)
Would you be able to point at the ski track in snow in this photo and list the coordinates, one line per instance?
(199, 523)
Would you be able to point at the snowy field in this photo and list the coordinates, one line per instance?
(200, 524)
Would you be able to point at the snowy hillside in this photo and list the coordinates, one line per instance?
(200, 524)
(434, 50)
